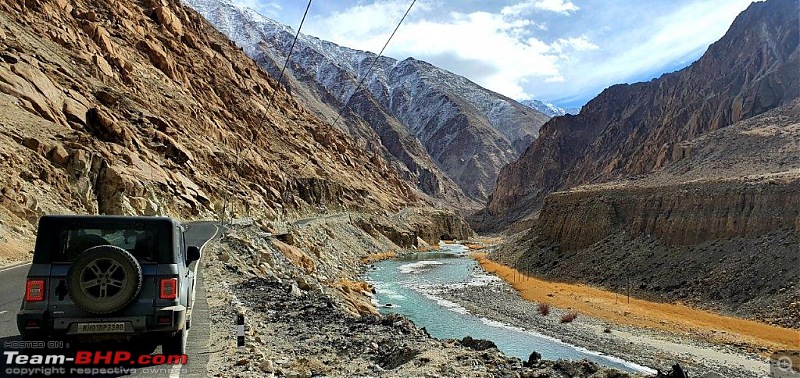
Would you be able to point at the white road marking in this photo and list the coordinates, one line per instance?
(175, 372)
(13, 267)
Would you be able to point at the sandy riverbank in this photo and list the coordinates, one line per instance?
(657, 346)
(617, 308)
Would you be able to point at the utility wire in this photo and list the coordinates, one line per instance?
(291, 49)
(363, 78)
(271, 98)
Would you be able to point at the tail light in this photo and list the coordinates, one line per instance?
(34, 290)
(168, 288)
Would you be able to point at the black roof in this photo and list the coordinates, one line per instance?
(104, 219)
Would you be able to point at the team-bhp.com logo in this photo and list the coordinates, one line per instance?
(785, 364)
(84, 362)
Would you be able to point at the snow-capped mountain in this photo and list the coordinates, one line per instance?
(547, 108)
(441, 131)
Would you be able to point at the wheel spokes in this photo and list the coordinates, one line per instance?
(102, 278)
(113, 268)
(94, 268)
(89, 284)
(103, 291)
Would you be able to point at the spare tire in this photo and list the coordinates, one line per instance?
(104, 279)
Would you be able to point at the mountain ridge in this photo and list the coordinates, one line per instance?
(469, 136)
(631, 129)
(548, 109)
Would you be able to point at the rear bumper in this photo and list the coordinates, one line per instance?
(38, 323)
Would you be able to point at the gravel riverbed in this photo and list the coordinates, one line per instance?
(659, 350)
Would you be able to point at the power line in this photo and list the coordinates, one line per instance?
(363, 78)
(271, 98)
(291, 49)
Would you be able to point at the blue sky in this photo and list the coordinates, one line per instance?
(561, 51)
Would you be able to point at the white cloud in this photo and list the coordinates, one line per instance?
(558, 6)
(668, 39)
(488, 40)
(581, 43)
(524, 50)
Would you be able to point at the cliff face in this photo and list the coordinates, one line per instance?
(144, 108)
(443, 133)
(633, 129)
(719, 227)
(675, 215)
(726, 246)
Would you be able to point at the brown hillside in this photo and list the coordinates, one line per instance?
(141, 107)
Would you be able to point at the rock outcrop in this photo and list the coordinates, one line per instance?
(411, 225)
(677, 215)
(634, 129)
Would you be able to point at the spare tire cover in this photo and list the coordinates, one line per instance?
(104, 279)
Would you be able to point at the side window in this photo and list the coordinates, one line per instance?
(183, 246)
(179, 244)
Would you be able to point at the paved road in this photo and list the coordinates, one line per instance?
(305, 221)
(12, 287)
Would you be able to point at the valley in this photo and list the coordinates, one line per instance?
(420, 224)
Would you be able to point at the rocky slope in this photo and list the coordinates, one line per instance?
(634, 129)
(438, 127)
(719, 227)
(144, 108)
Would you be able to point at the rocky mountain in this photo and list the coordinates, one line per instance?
(635, 129)
(440, 131)
(144, 108)
(547, 108)
(718, 227)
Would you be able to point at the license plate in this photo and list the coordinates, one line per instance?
(100, 327)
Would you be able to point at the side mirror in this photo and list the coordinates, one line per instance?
(192, 254)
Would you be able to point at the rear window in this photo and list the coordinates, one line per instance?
(141, 242)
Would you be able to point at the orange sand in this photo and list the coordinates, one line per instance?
(375, 257)
(615, 308)
(474, 246)
(350, 285)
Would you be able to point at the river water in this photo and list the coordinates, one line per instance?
(410, 285)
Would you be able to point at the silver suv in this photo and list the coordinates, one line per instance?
(101, 278)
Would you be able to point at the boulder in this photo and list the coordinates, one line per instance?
(477, 344)
(102, 65)
(295, 291)
(75, 111)
(166, 18)
(159, 58)
(105, 126)
(59, 155)
(533, 359)
(100, 36)
(298, 258)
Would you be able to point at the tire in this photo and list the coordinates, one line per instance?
(104, 279)
(142, 345)
(175, 344)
